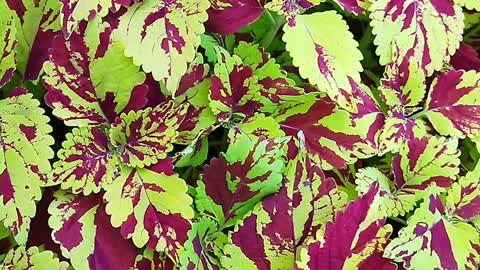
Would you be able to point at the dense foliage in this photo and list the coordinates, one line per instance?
(239, 134)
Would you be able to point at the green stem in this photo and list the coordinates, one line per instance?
(471, 33)
(352, 170)
(399, 220)
(418, 115)
(340, 176)
(277, 24)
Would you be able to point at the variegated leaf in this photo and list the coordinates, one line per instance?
(197, 255)
(37, 22)
(233, 183)
(144, 137)
(32, 258)
(86, 163)
(424, 31)
(329, 134)
(82, 78)
(363, 237)
(420, 163)
(162, 36)
(24, 160)
(463, 199)
(8, 43)
(431, 240)
(453, 104)
(75, 11)
(327, 56)
(152, 207)
(289, 7)
(269, 236)
(83, 230)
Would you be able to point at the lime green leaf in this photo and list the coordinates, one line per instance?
(431, 240)
(426, 32)
(470, 4)
(232, 184)
(32, 259)
(7, 43)
(327, 56)
(419, 164)
(162, 36)
(144, 137)
(24, 160)
(86, 163)
(152, 207)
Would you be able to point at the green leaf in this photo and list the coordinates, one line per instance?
(426, 32)
(431, 240)
(152, 207)
(24, 160)
(7, 43)
(163, 36)
(144, 137)
(327, 56)
(34, 259)
(421, 164)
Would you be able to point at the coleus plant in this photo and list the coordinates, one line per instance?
(228, 134)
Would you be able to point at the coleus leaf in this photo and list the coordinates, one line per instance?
(337, 64)
(270, 235)
(452, 104)
(356, 7)
(83, 230)
(32, 258)
(194, 89)
(7, 44)
(432, 240)
(24, 160)
(162, 36)
(146, 136)
(82, 78)
(196, 255)
(151, 206)
(288, 7)
(232, 88)
(330, 137)
(470, 4)
(75, 11)
(249, 82)
(234, 182)
(466, 58)
(229, 16)
(403, 85)
(151, 260)
(361, 243)
(420, 163)
(399, 129)
(463, 199)
(86, 163)
(427, 32)
(37, 22)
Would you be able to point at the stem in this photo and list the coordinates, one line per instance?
(340, 176)
(418, 115)
(277, 24)
(372, 76)
(399, 220)
(471, 33)
(352, 170)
